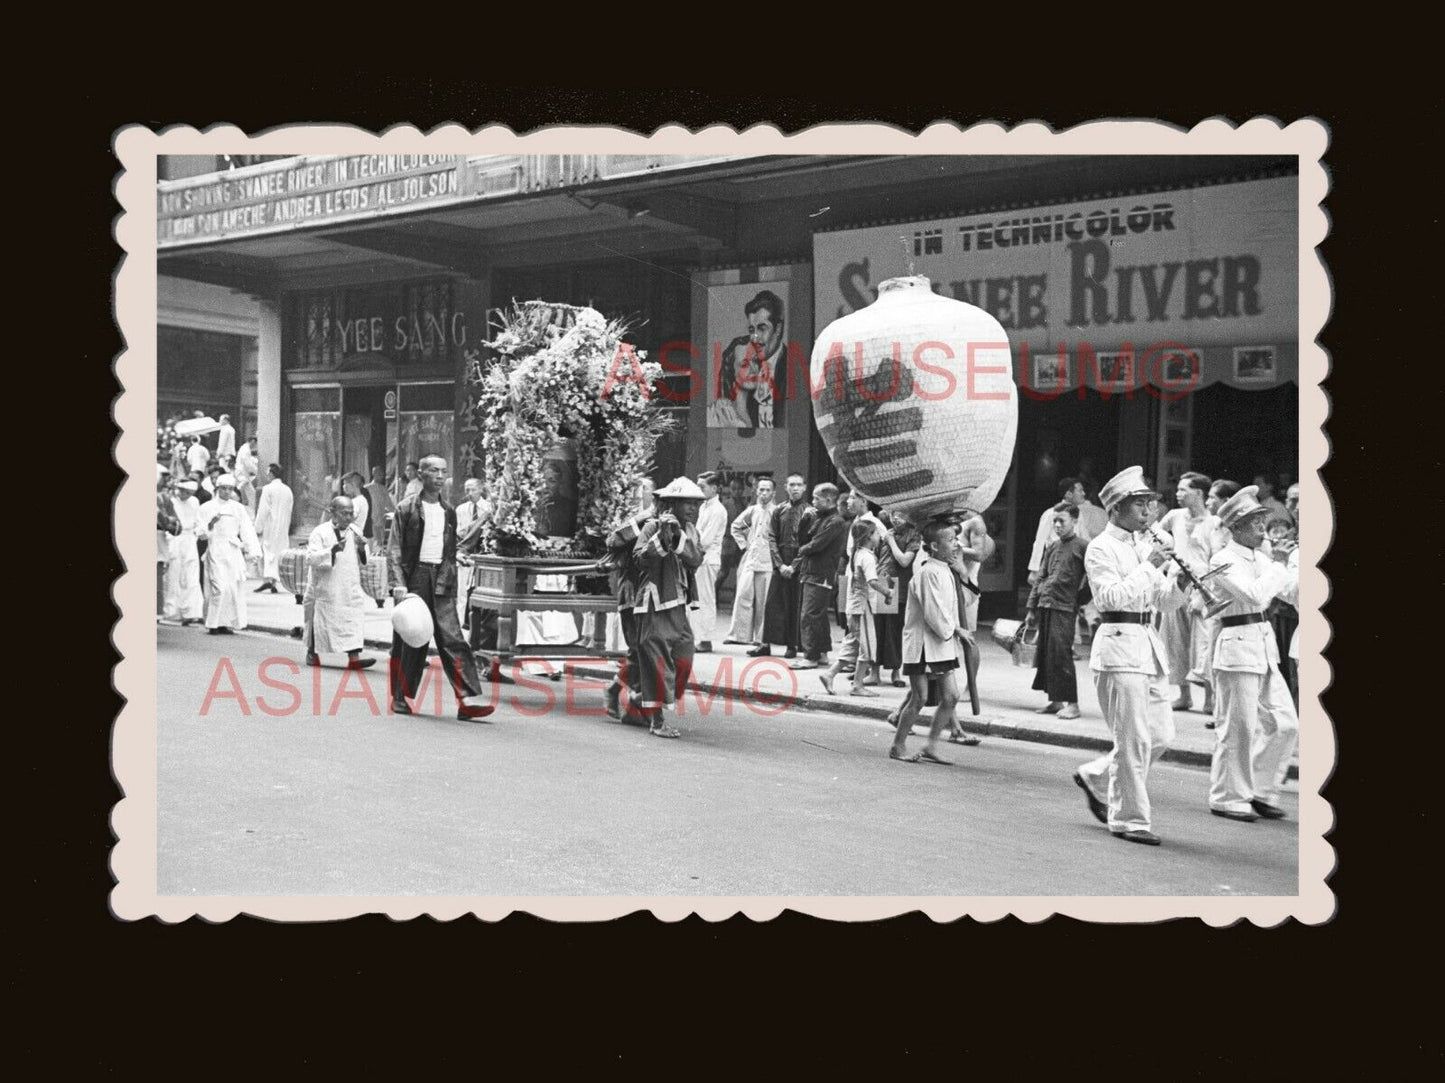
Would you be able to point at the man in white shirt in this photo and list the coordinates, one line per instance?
(273, 526)
(421, 560)
(335, 554)
(712, 524)
(1258, 726)
(755, 567)
(226, 439)
(1129, 583)
(352, 485)
(472, 512)
(198, 455)
(1092, 521)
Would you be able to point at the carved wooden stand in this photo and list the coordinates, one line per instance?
(509, 584)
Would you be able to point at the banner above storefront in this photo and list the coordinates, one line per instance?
(273, 197)
(1196, 273)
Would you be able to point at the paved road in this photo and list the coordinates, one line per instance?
(547, 802)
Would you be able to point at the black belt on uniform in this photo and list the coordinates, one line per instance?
(1115, 617)
(1247, 618)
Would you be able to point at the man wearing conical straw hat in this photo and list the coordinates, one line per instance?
(1130, 584)
(668, 553)
(1258, 726)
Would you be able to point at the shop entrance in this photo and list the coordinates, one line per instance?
(366, 432)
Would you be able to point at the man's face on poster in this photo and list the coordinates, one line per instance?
(764, 332)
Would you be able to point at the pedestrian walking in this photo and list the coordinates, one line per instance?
(167, 527)
(1053, 609)
(1127, 658)
(183, 570)
(859, 652)
(1209, 538)
(1179, 628)
(1258, 726)
(900, 547)
(625, 583)
(668, 553)
(198, 456)
(335, 555)
(750, 532)
(226, 441)
(824, 534)
(930, 644)
(273, 526)
(230, 541)
(421, 560)
(780, 620)
(712, 525)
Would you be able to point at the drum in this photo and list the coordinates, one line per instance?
(291, 566)
(373, 578)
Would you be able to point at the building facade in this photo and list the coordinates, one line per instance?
(1151, 303)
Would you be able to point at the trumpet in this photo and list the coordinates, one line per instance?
(1213, 603)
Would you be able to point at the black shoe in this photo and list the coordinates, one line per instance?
(762, 650)
(261, 589)
(313, 660)
(400, 707)
(360, 663)
(705, 647)
(1147, 838)
(1268, 812)
(1097, 807)
(791, 652)
(613, 698)
(1230, 814)
(213, 631)
(474, 713)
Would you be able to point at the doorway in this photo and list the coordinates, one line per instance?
(364, 429)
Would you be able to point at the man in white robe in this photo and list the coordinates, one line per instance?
(335, 553)
(246, 470)
(273, 525)
(183, 569)
(231, 539)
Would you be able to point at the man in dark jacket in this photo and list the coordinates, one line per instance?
(1052, 608)
(780, 620)
(826, 534)
(421, 560)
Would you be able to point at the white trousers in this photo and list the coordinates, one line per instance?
(704, 618)
(1254, 738)
(750, 606)
(1137, 709)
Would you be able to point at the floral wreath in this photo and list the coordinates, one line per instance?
(562, 372)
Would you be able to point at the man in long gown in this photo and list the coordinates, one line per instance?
(335, 553)
(273, 525)
(183, 570)
(231, 539)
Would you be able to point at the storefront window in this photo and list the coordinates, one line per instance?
(315, 452)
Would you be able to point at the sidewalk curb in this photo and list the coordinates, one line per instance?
(981, 725)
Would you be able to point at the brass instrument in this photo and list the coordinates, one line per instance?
(1213, 603)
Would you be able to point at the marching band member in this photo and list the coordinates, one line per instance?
(1127, 658)
(1258, 726)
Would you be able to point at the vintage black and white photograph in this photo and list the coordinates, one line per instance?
(517, 544)
(1254, 364)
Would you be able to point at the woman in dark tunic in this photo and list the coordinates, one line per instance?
(896, 552)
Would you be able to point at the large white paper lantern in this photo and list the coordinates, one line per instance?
(914, 398)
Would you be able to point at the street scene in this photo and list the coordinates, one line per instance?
(725, 525)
